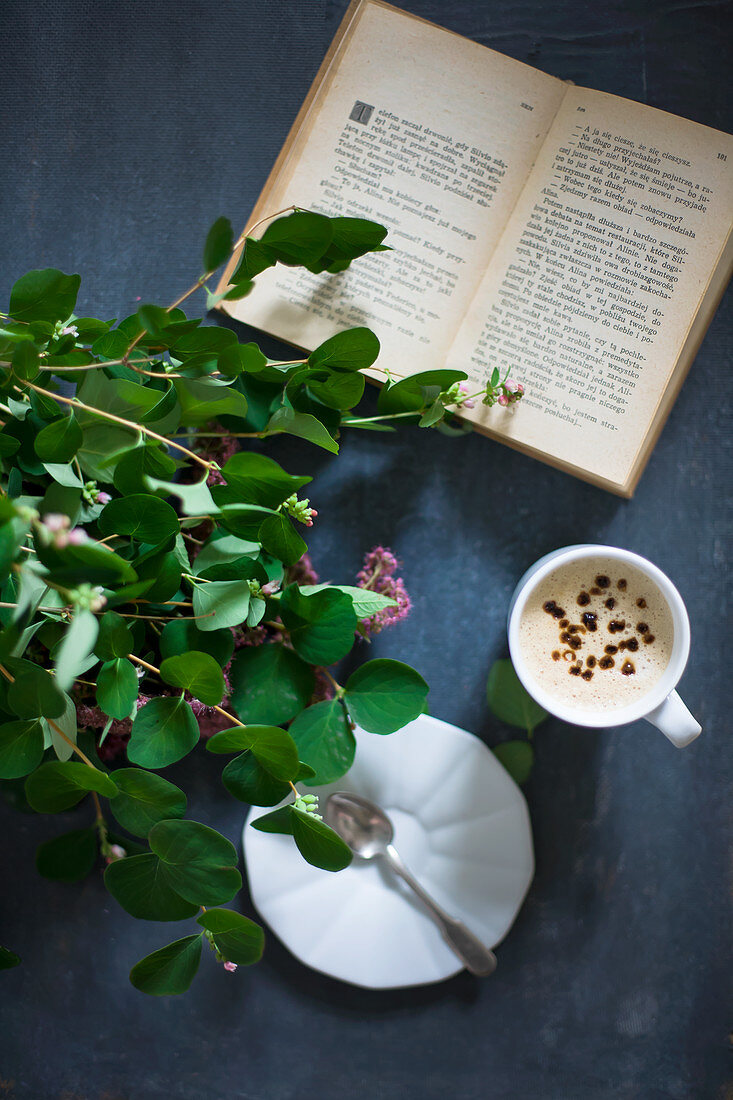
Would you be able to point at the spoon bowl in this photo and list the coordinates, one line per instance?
(368, 831)
(362, 824)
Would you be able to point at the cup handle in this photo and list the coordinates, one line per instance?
(675, 721)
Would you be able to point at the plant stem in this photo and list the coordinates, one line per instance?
(336, 684)
(76, 404)
(269, 217)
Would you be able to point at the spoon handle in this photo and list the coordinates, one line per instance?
(475, 956)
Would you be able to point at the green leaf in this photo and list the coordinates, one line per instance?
(60, 440)
(78, 643)
(202, 401)
(277, 821)
(67, 725)
(154, 319)
(140, 515)
(270, 684)
(272, 747)
(200, 864)
(432, 415)
(224, 603)
(321, 626)
(304, 426)
(242, 520)
(257, 479)
(324, 740)
(195, 498)
(354, 349)
(144, 799)
(69, 857)
(114, 639)
(279, 538)
(170, 970)
(352, 237)
(219, 244)
(8, 959)
(299, 238)
(222, 548)
(339, 391)
(34, 693)
(117, 688)
(255, 259)
(25, 360)
(246, 779)
(197, 673)
(517, 757)
(87, 563)
(239, 939)
(383, 695)
(365, 602)
(183, 635)
(44, 295)
(141, 886)
(163, 731)
(8, 445)
(318, 844)
(21, 748)
(139, 463)
(57, 785)
(508, 699)
(111, 345)
(242, 359)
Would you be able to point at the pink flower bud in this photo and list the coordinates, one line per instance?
(103, 498)
(503, 399)
(519, 388)
(231, 967)
(55, 521)
(77, 537)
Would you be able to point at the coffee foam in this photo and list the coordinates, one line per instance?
(551, 650)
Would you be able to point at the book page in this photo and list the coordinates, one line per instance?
(429, 134)
(597, 280)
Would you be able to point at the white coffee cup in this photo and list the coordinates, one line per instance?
(661, 705)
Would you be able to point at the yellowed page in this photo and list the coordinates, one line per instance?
(597, 280)
(429, 134)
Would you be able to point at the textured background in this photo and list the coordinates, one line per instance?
(127, 128)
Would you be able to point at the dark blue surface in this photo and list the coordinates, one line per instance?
(127, 128)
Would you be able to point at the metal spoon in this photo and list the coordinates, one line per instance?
(368, 831)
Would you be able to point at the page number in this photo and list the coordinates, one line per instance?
(722, 156)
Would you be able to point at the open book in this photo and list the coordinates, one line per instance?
(579, 239)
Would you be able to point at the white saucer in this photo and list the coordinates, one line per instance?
(463, 829)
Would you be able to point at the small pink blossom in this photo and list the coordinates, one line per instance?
(77, 537)
(503, 399)
(55, 521)
(231, 967)
(103, 498)
(377, 575)
(303, 572)
(115, 852)
(464, 390)
(70, 330)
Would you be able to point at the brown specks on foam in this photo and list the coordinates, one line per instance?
(585, 656)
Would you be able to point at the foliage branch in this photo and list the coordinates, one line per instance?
(138, 545)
